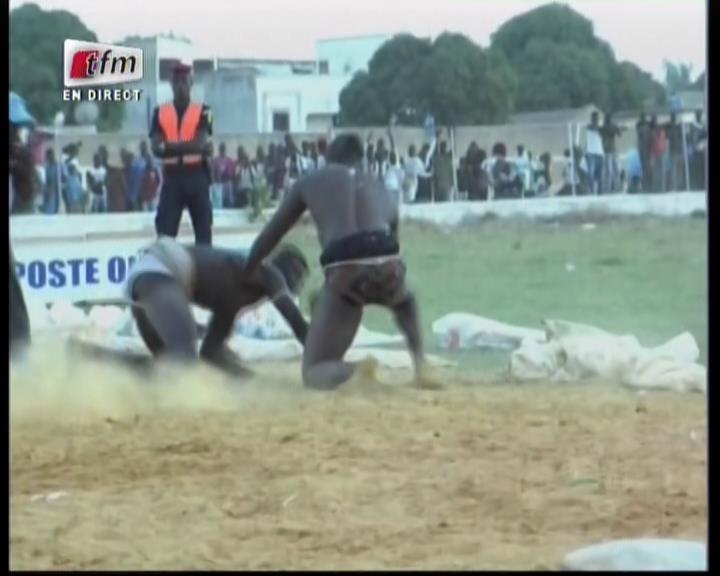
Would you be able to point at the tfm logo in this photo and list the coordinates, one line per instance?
(93, 64)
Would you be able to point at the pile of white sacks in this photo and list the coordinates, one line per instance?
(261, 334)
(571, 352)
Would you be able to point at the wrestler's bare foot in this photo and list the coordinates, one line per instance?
(367, 368)
(425, 379)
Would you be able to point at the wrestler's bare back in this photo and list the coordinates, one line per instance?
(343, 202)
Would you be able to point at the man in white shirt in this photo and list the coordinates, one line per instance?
(594, 153)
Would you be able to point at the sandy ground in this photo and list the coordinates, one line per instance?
(187, 472)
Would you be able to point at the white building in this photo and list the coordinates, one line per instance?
(285, 103)
(252, 95)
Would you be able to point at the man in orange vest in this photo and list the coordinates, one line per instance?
(179, 134)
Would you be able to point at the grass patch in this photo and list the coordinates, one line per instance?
(645, 276)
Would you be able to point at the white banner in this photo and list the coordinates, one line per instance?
(90, 268)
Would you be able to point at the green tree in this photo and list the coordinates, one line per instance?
(36, 55)
(634, 88)
(452, 78)
(560, 63)
(678, 77)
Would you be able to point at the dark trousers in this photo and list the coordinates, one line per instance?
(185, 188)
(19, 320)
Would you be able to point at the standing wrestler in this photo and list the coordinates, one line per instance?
(169, 277)
(179, 133)
(357, 222)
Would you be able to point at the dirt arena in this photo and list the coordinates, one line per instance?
(186, 472)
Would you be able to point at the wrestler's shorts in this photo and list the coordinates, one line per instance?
(366, 268)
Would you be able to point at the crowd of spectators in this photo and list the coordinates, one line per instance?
(657, 163)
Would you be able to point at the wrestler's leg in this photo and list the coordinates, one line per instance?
(407, 319)
(165, 320)
(404, 308)
(332, 330)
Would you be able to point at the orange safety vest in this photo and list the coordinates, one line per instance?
(167, 116)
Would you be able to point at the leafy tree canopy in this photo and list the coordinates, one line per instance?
(36, 63)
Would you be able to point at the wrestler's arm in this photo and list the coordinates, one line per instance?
(285, 217)
(274, 285)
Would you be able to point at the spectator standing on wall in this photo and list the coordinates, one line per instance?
(611, 175)
(644, 147)
(96, 178)
(676, 167)
(594, 153)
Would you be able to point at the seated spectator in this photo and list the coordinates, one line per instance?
(544, 181)
(522, 163)
(505, 179)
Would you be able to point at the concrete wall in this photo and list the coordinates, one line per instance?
(346, 56)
